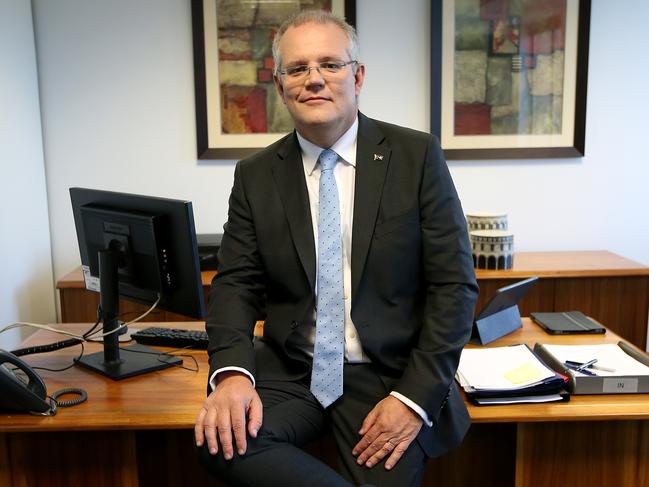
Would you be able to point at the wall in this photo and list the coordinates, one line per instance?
(118, 113)
(26, 282)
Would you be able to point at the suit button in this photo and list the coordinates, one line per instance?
(293, 324)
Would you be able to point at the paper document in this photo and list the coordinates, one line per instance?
(611, 359)
(520, 399)
(502, 368)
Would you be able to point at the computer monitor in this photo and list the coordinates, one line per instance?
(141, 248)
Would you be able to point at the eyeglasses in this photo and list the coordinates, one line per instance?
(325, 68)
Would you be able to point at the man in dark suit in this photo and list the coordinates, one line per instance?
(365, 315)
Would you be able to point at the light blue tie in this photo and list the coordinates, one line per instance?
(327, 374)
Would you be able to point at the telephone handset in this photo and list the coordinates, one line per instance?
(18, 394)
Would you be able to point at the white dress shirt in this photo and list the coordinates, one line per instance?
(303, 337)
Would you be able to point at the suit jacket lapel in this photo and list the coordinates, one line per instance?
(288, 172)
(372, 159)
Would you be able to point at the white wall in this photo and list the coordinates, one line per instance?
(26, 282)
(118, 113)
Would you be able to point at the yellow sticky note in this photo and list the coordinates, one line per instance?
(523, 373)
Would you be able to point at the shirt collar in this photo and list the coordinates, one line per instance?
(345, 147)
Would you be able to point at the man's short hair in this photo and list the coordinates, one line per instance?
(316, 17)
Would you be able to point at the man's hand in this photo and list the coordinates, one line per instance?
(224, 414)
(389, 428)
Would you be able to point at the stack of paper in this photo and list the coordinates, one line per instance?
(506, 375)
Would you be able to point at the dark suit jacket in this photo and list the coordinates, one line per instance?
(413, 284)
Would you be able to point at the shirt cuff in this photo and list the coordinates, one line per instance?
(225, 369)
(414, 406)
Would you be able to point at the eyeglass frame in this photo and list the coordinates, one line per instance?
(318, 67)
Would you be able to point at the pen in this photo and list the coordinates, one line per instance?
(572, 363)
(585, 365)
(602, 368)
(577, 369)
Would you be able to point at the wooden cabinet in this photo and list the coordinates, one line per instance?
(610, 288)
(78, 305)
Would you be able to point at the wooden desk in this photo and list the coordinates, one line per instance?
(610, 288)
(137, 432)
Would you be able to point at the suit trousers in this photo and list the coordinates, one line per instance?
(293, 417)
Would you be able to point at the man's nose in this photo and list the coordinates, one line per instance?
(314, 76)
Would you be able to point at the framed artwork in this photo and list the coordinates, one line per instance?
(238, 110)
(509, 77)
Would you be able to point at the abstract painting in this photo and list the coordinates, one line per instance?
(510, 77)
(238, 108)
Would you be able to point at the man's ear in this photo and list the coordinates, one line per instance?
(279, 86)
(359, 78)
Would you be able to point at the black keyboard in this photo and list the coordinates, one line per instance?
(172, 337)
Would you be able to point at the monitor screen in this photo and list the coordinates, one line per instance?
(141, 248)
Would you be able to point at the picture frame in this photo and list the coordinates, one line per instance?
(538, 108)
(237, 109)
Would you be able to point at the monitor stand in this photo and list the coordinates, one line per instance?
(138, 359)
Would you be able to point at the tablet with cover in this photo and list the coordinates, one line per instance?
(568, 322)
(500, 315)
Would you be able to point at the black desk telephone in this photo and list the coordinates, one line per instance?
(18, 393)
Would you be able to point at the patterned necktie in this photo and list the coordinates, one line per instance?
(327, 374)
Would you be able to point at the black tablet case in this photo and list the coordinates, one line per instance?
(567, 322)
